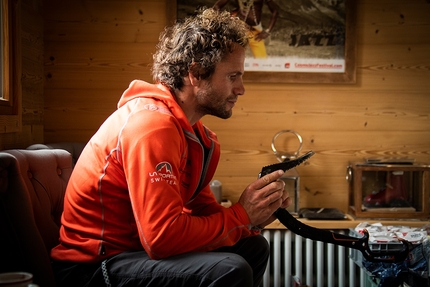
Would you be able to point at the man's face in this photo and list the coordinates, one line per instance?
(218, 94)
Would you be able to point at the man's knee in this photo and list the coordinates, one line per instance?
(259, 240)
(234, 270)
(254, 247)
(262, 246)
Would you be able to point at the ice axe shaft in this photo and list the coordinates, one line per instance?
(361, 244)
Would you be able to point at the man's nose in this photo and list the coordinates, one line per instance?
(239, 89)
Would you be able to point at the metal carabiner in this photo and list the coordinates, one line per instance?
(286, 156)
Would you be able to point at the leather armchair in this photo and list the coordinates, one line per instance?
(32, 187)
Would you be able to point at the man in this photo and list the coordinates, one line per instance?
(250, 11)
(138, 209)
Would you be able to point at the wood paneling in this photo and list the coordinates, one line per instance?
(31, 79)
(93, 49)
(386, 113)
(393, 22)
(104, 21)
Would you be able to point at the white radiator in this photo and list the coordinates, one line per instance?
(315, 263)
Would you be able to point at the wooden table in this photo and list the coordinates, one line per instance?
(352, 222)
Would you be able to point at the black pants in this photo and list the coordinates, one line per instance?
(240, 265)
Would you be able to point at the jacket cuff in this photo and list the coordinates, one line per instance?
(241, 213)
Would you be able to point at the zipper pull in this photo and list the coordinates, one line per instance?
(102, 250)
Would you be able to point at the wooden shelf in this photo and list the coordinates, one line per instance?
(351, 222)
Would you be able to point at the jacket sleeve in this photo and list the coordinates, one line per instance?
(152, 159)
(204, 204)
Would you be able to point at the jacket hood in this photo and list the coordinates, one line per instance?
(141, 89)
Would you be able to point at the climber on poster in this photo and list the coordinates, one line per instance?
(250, 11)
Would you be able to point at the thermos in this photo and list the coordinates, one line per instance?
(216, 187)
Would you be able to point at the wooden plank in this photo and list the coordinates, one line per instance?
(110, 75)
(381, 87)
(363, 124)
(369, 80)
(81, 120)
(346, 143)
(67, 63)
(104, 10)
(111, 21)
(336, 112)
(387, 57)
(32, 69)
(85, 109)
(93, 55)
(250, 130)
(393, 23)
(324, 100)
(32, 32)
(126, 33)
(100, 99)
(314, 191)
(381, 120)
(64, 135)
(354, 117)
(29, 134)
(95, 79)
(321, 164)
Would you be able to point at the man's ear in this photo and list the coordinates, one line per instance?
(194, 74)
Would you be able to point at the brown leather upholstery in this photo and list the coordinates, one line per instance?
(74, 148)
(32, 187)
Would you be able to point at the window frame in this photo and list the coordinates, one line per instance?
(11, 97)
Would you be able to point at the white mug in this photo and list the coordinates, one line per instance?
(16, 279)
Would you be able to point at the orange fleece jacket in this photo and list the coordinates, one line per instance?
(142, 182)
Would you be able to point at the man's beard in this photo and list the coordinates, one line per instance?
(211, 103)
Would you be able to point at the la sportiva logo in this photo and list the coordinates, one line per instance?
(164, 167)
(163, 173)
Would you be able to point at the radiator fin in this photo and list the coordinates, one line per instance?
(315, 263)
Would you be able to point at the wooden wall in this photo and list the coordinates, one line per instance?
(93, 49)
(32, 78)
(386, 113)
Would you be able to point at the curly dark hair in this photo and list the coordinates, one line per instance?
(203, 39)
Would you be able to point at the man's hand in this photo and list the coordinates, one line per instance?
(263, 197)
(262, 35)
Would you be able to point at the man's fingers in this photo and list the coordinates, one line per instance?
(268, 178)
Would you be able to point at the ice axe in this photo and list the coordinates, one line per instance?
(306, 231)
